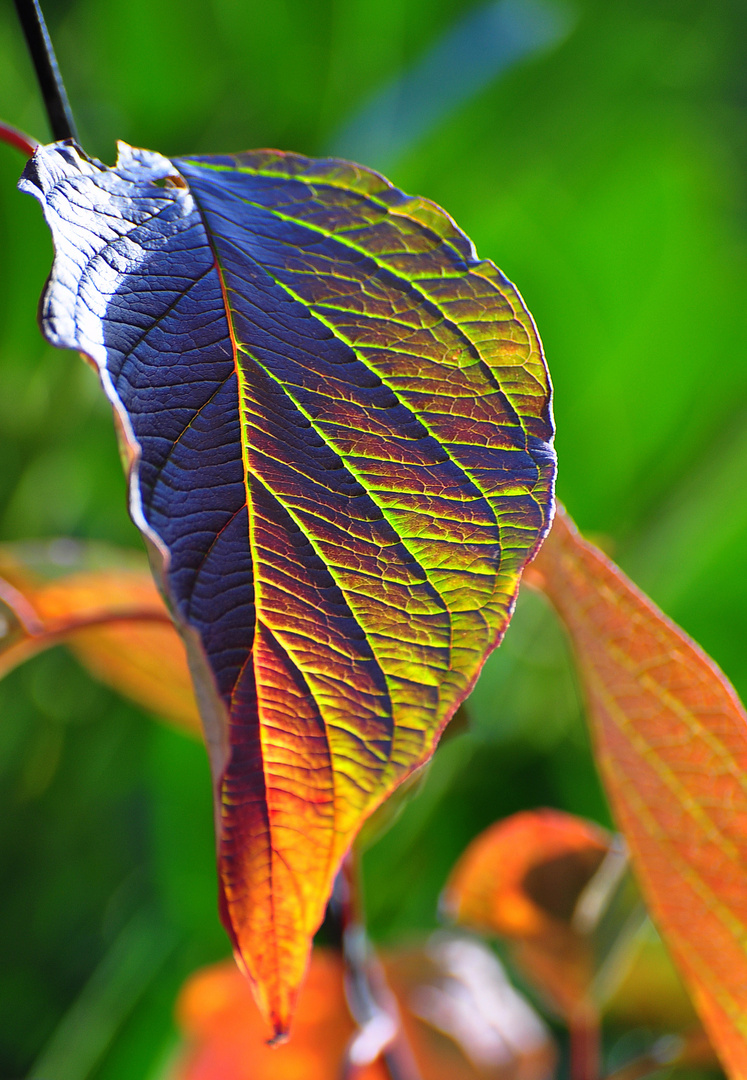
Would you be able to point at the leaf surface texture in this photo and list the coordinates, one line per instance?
(338, 426)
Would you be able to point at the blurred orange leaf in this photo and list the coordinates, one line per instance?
(522, 878)
(461, 1018)
(115, 622)
(227, 1036)
(671, 741)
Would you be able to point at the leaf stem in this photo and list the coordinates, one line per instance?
(583, 1029)
(47, 72)
(21, 608)
(18, 139)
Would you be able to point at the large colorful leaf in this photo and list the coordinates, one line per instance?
(671, 739)
(337, 422)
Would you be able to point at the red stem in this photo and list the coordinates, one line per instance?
(18, 139)
(583, 1029)
(24, 611)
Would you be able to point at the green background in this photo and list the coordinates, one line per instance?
(607, 176)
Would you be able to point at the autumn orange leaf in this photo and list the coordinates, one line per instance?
(522, 879)
(671, 741)
(115, 622)
(226, 1036)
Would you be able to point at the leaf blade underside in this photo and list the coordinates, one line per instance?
(339, 426)
(671, 743)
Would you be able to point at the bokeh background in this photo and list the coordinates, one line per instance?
(597, 152)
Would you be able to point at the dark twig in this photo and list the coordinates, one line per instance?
(379, 1036)
(47, 72)
(19, 139)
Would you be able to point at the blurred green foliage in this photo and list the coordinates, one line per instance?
(607, 177)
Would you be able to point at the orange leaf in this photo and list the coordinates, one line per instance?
(522, 878)
(671, 741)
(115, 622)
(226, 1033)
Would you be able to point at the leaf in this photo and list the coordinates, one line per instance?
(225, 1034)
(115, 622)
(523, 879)
(671, 741)
(338, 429)
(461, 1018)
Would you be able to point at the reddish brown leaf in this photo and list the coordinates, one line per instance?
(462, 1018)
(671, 741)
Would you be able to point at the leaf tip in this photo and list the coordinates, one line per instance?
(275, 992)
(280, 1037)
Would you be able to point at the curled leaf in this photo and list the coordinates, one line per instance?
(463, 1018)
(523, 879)
(671, 740)
(337, 421)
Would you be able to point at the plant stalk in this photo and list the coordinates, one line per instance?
(47, 72)
(19, 139)
(583, 1029)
